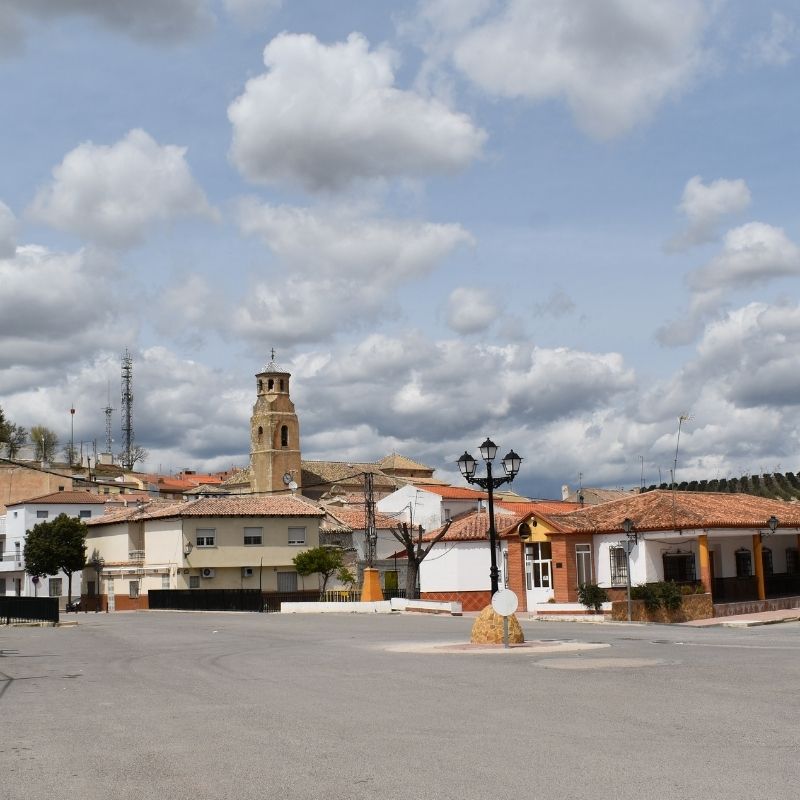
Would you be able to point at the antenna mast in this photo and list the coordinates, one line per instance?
(107, 411)
(127, 410)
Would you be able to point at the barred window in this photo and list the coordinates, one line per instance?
(744, 563)
(766, 560)
(792, 561)
(619, 566)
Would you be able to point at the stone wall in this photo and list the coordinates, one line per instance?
(693, 606)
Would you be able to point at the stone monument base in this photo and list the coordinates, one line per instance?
(488, 628)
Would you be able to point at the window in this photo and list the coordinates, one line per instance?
(260, 433)
(619, 566)
(583, 561)
(281, 383)
(206, 537)
(766, 560)
(287, 581)
(270, 384)
(194, 581)
(297, 536)
(679, 567)
(55, 587)
(744, 563)
(84, 513)
(133, 590)
(792, 560)
(260, 386)
(252, 536)
(165, 581)
(284, 436)
(42, 514)
(2, 587)
(90, 588)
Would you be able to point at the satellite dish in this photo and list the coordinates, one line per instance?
(504, 602)
(293, 486)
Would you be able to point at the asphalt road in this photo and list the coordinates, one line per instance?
(171, 705)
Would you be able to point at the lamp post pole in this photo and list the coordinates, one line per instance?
(511, 464)
(631, 539)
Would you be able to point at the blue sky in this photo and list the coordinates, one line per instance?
(559, 224)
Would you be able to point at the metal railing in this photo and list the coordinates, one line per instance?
(28, 609)
(135, 555)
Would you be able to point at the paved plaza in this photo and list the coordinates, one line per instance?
(212, 705)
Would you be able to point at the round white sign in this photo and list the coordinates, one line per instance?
(504, 602)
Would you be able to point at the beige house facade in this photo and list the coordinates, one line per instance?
(240, 542)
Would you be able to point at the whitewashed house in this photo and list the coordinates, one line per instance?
(19, 519)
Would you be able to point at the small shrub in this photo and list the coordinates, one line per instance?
(648, 593)
(592, 596)
(669, 595)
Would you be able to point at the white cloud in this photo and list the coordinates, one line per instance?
(471, 310)
(112, 194)
(146, 20)
(752, 254)
(323, 116)
(8, 231)
(614, 63)
(705, 205)
(777, 46)
(56, 309)
(336, 270)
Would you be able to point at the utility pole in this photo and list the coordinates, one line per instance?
(127, 410)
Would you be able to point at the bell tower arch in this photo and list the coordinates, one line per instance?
(274, 432)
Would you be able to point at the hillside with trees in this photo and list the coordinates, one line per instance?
(777, 485)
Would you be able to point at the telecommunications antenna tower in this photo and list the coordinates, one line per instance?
(127, 410)
(107, 411)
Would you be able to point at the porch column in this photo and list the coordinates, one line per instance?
(705, 566)
(759, 566)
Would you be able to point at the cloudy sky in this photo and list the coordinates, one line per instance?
(562, 225)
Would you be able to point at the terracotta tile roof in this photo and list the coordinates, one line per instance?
(228, 506)
(474, 526)
(131, 512)
(593, 496)
(323, 472)
(396, 461)
(355, 518)
(539, 506)
(661, 510)
(71, 497)
(454, 492)
(239, 476)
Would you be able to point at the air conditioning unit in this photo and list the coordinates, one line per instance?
(207, 572)
(184, 570)
(247, 572)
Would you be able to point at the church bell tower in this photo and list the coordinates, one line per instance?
(274, 433)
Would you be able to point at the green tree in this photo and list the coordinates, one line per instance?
(59, 544)
(323, 560)
(45, 443)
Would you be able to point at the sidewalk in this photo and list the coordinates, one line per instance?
(748, 620)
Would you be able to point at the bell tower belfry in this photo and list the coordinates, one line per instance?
(274, 433)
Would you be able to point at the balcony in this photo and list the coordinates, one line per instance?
(10, 561)
(135, 555)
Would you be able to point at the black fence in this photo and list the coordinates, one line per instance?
(782, 584)
(205, 599)
(247, 599)
(28, 609)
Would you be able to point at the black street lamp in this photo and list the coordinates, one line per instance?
(511, 464)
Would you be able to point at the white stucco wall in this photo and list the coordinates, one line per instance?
(456, 566)
(413, 505)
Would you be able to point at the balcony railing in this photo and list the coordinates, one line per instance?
(135, 555)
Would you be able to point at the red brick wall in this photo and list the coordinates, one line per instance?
(470, 601)
(516, 571)
(565, 577)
